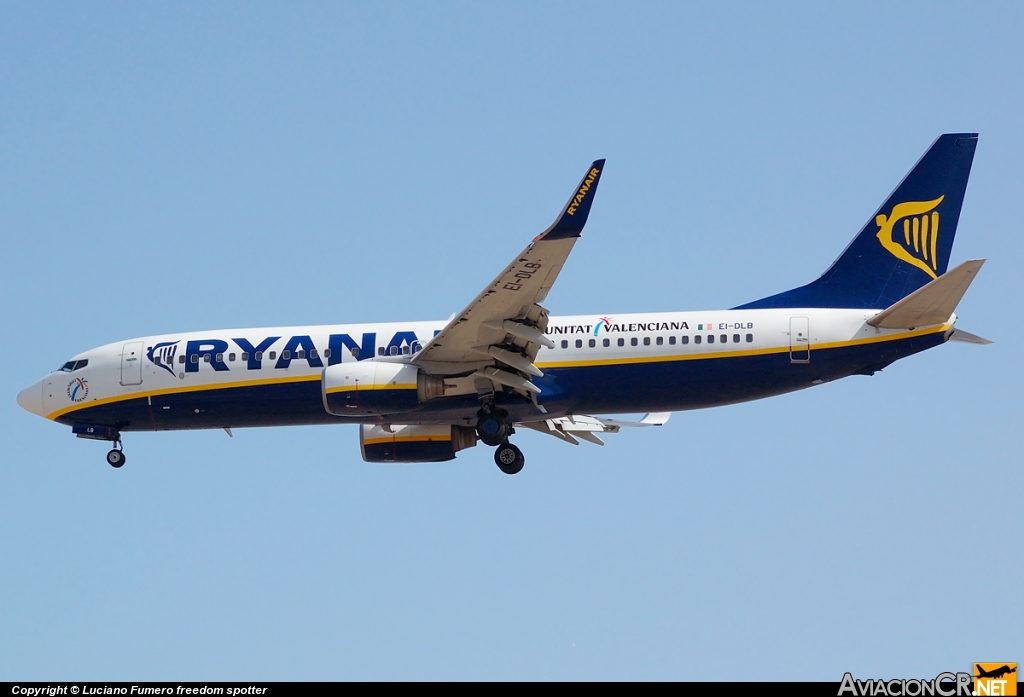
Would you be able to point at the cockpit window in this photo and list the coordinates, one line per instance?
(72, 366)
(81, 364)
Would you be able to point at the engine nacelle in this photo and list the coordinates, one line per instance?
(371, 387)
(413, 443)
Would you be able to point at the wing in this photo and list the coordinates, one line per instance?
(499, 333)
(572, 428)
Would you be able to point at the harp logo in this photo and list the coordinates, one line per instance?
(163, 355)
(995, 679)
(911, 233)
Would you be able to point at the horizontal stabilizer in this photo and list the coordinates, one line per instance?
(932, 303)
(656, 418)
(967, 337)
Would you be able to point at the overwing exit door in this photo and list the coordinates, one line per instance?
(131, 363)
(799, 340)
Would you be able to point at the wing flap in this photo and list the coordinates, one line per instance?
(579, 426)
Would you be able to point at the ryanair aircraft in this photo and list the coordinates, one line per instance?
(422, 391)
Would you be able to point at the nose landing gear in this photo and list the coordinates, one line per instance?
(115, 458)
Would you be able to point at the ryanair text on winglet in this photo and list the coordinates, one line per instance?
(944, 685)
(582, 193)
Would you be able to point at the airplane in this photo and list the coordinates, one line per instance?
(995, 673)
(423, 391)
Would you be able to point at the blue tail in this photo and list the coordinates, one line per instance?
(906, 243)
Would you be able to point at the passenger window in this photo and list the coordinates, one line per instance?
(405, 350)
(607, 343)
(735, 338)
(565, 344)
(593, 343)
(711, 338)
(579, 343)
(245, 356)
(696, 339)
(647, 341)
(632, 342)
(659, 341)
(181, 359)
(231, 358)
(312, 353)
(195, 358)
(393, 350)
(750, 338)
(259, 355)
(685, 339)
(724, 338)
(300, 354)
(220, 357)
(672, 340)
(354, 352)
(286, 355)
(273, 355)
(206, 358)
(380, 350)
(327, 353)
(622, 342)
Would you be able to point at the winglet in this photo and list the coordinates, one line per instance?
(574, 215)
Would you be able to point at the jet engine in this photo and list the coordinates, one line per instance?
(432, 443)
(376, 387)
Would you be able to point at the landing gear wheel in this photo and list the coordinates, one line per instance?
(492, 429)
(509, 458)
(115, 458)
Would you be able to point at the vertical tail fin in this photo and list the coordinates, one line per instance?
(905, 244)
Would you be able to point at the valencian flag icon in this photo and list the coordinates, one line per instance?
(995, 679)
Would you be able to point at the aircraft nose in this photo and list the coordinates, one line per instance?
(31, 398)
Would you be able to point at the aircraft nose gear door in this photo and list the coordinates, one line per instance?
(131, 363)
(799, 340)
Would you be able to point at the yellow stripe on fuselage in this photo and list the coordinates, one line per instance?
(183, 390)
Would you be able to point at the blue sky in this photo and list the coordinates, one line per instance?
(181, 167)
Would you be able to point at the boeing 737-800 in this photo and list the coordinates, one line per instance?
(422, 391)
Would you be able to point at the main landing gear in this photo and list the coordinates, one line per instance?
(115, 458)
(509, 458)
(494, 429)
